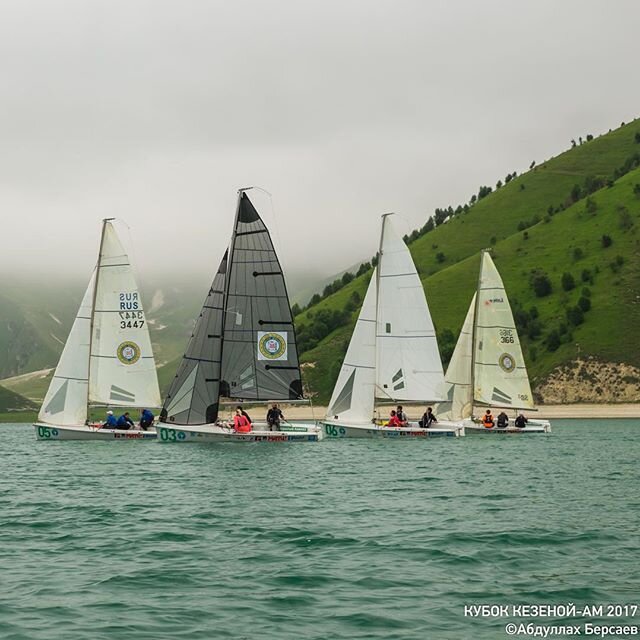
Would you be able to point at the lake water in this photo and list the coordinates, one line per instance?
(337, 539)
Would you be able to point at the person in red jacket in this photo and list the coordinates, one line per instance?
(240, 423)
(394, 421)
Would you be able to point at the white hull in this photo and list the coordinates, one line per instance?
(533, 426)
(86, 432)
(216, 433)
(335, 429)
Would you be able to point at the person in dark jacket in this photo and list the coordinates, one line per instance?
(428, 419)
(503, 420)
(521, 421)
(274, 416)
(146, 419)
(111, 422)
(124, 422)
(401, 415)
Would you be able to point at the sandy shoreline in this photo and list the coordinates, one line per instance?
(544, 411)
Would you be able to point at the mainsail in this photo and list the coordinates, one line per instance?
(499, 373)
(243, 346)
(408, 365)
(107, 358)
(122, 370)
(353, 394)
(459, 391)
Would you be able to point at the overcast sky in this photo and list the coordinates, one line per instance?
(156, 112)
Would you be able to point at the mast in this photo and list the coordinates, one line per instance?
(473, 332)
(377, 272)
(227, 280)
(93, 304)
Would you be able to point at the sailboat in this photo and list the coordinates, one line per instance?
(393, 355)
(487, 368)
(243, 347)
(107, 359)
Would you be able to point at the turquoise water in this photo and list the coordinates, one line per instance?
(338, 539)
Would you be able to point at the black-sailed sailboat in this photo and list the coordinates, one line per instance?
(243, 347)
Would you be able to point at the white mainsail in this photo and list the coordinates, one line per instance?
(499, 373)
(408, 365)
(459, 389)
(66, 400)
(353, 395)
(122, 369)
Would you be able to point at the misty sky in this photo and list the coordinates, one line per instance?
(157, 111)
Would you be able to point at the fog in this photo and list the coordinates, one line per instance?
(157, 112)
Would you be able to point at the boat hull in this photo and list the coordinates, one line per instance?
(47, 432)
(533, 426)
(216, 433)
(337, 430)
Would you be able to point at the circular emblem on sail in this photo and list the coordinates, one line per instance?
(507, 362)
(128, 353)
(272, 346)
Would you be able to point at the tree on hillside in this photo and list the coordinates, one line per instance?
(483, 192)
(606, 241)
(567, 281)
(575, 316)
(363, 268)
(295, 309)
(541, 284)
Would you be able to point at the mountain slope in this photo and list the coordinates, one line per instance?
(567, 238)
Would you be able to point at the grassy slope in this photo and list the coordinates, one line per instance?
(450, 285)
(11, 401)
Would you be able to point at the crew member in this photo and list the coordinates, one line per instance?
(503, 420)
(274, 415)
(393, 420)
(521, 421)
(146, 419)
(428, 419)
(487, 420)
(111, 422)
(124, 422)
(240, 423)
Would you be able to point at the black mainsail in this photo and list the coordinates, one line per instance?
(243, 346)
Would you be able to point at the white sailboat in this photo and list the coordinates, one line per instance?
(107, 359)
(243, 347)
(393, 355)
(487, 368)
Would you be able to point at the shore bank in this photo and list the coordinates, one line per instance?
(296, 412)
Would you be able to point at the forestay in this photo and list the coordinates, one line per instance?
(500, 375)
(459, 391)
(122, 369)
(408, 360)
(353, 394)
(66, 401)
(193, 396)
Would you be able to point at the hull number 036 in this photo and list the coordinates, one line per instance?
(171, 435)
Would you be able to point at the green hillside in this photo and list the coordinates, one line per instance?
(547, 222)
(11, 401)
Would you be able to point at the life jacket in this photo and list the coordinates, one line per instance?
(241, 424)
(487, 421)
(394, 422)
